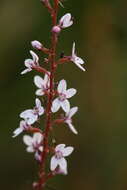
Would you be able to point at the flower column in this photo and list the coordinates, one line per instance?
(56, 98)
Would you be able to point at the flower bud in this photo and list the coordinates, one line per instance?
(56, 29)
(36, 44)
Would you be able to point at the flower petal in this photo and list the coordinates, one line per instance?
(55, 105)
(41, 110)
(66, 21)
(29, 63)
(26, 71)
(28, 140)
(73, 50)
(62, 163)
(26, 113)
(62, 171)
(59, 147)
(41, 148)
(79, 60)
(67, 151)
(72, 112)
(30, 149)
(39, 92)
(82, 68)
(37, 138)
(38, 81)
(17, 132)
(72, 128)
(37, 156)
(46, 79)
(53, 163)
(70, 92)
(32, 119)
(36, 44)
(29, 116)
(62, 86)
(34, 56)
(65, 105)
(23, 125)
(37, 103)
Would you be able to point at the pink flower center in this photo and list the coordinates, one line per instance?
(62, 97)
(36, 145)
(69, 120)
(59, 155)
(36, 111)
(25, 126)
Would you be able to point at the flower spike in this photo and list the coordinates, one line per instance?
(55, 95)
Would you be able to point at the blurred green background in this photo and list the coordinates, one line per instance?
(100, 32)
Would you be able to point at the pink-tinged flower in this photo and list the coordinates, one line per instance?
(33, 143)
(77, 60)
(23, 126)
(31, 115)
(68, 119)
(63, 95)
(58, 159)
(66, 21)
(31, 63)
(42, 84)
(36, 44)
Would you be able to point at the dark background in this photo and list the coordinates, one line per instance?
(100, 32)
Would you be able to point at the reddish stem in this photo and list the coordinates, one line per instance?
(41, 70)
(52, 60)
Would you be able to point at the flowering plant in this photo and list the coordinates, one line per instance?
(57, 98)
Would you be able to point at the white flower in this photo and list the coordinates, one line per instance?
(68, 119)
(58, 159)
(36, 44)
(22, 127)
(42, 84)
(31, 115)
(66, 21)
(62, 100)
(30, 63)
(33, 143)
(77, 60)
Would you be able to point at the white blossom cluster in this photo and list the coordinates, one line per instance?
(61, 102)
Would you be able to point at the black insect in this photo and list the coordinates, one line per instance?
(62, 54)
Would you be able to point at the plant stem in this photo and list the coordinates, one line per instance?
(52, 60)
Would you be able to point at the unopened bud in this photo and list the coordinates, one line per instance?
(56, 29)
(36, 44)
